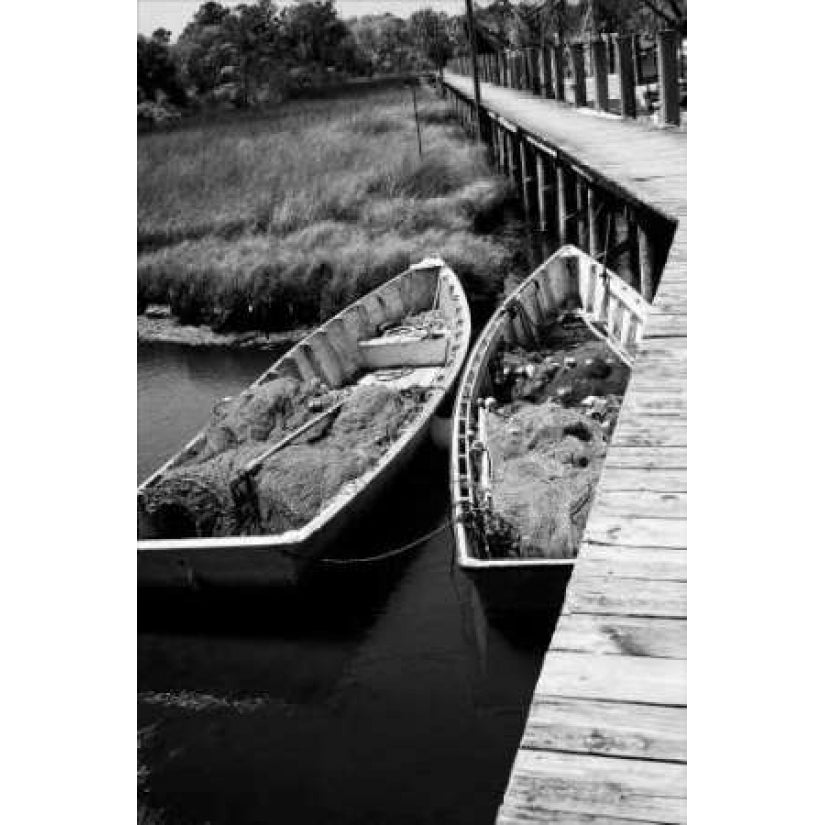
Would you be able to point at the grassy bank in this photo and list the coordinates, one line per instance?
(282, 220)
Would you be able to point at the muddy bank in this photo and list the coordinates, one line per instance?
(167, 330)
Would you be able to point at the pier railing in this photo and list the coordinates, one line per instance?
(623, 74)
(566, 203)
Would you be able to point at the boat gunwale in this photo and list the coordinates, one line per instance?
(461, 330)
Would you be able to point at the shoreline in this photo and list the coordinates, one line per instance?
(167, 330)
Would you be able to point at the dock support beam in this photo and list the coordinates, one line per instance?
(579, 85)
(581, 212)
(561, 204)
(598, 58)
(647, 263)
(627, 81)
(526, 180)
(667, 55)
(557, 56)
(595, 235)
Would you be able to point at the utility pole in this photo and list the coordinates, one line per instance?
(471, 26)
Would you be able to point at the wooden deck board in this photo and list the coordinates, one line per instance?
(605, 743)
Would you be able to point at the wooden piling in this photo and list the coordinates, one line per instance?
(541, 190)
(579, 82)
(667, 55)
(545, 72)
(526, 180)
(561, 204)
(633, 250)
(595, 233)
(627, 82)
(581, 212)
(598, 58)
(557, 57)
(647, 262)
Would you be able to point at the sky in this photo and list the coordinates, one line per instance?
(175, 14)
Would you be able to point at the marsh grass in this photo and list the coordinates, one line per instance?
(282, 221)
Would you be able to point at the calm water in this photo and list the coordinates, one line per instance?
(375, 693)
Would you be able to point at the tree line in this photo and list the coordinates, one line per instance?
(249, 54)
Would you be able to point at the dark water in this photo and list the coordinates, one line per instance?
(375, 693)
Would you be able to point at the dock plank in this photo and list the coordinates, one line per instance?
(612, 635)
(610, 728)
(545, 784)
(620, 678)
(626, 597)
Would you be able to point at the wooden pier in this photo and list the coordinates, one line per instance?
(605, 741)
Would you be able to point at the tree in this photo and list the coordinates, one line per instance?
(313, 31)
(156, 69)
(430, 32)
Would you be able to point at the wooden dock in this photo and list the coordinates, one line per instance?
(605, 741)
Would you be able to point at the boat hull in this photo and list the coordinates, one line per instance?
(568, 280)
(261, 561)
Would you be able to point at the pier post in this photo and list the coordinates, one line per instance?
(541, 190)
(557, 56)
(581, 209)
(598, 58)
(595, 235)
(633, 251)
(561, 204)
(579, 83)
(667, 55)
(502, 149)
(535, 72)
(526, 179)
(627, 82)
(545, 72)
(647, 262)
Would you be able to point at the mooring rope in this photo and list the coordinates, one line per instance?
(396, 551)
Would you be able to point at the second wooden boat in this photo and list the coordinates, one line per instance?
(402, 345)
(519, 557)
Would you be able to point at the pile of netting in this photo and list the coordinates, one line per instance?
(547, 435)
(212, 494)
(430, 322)
(546, 462)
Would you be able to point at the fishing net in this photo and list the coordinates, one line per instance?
(558, 406)
(546, 461)
(288, 489)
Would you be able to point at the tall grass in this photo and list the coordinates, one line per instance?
(284, 220)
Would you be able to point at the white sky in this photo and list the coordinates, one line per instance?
(175, 14)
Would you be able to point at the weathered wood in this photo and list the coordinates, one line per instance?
(561, 204)
(673, 480)
(598, 56)
(667, 56)
(579, 85)
(650, 430)
(627, 82)
(655, 563)
(633, 530)
(612, 729)
(548, 786)
(647, 458)
(557, 58)
(628, 597)
(642, 503)
(618, 635)
(614, 678)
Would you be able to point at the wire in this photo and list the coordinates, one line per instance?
(397, 551)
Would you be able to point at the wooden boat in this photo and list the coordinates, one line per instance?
(344, 351)
(615, 313)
